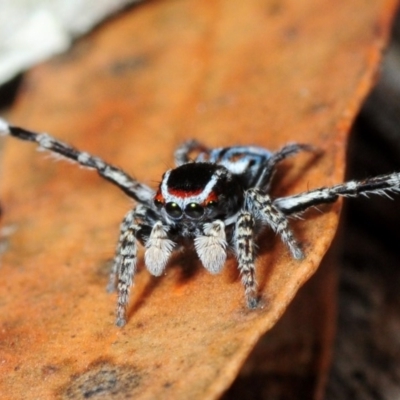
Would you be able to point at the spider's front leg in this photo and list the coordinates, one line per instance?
(245, 252)
(133, 188)
(139, 213)
(258, 208)
(123, 270)
(125, 267)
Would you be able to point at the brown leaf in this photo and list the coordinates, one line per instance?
(258, 72)
(292, 361)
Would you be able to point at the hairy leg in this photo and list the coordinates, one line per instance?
(264, 180)
(138, 191)
(245, 253)
(182, 153)
(267, 212)
(124, 266)
(126, 272)
(381, 185)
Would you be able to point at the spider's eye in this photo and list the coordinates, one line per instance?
(194, 210)
(212, 204)
(173, 210)
(158, 203)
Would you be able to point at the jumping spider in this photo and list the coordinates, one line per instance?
(219, 201)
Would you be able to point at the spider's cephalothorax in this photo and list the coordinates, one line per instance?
(196, 193)
(219, 201)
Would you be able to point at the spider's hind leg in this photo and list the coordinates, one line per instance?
(182, 153)
(133, 188)
(264, 180)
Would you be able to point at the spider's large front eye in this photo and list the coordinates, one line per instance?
(173, 210)
(194, 210)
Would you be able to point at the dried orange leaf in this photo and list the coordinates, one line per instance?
(292, 361)
(262, 72)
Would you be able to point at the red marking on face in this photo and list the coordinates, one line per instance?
(159, 197)
(211, 197)
(184, 193)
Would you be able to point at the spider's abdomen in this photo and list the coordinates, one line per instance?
(246, 162)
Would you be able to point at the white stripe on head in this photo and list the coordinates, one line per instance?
(198, 198)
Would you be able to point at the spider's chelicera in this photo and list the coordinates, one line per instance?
(219, 202)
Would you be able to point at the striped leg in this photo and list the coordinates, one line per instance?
(123, 269)
(138, 191)
(264, 210)
(126, 223)
(245, 253)
(264, 181)
(124, 266)
(126, 271)
(382, 185)
(182, 153)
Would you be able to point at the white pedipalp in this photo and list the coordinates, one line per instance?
(158, 249)
(211, 247)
